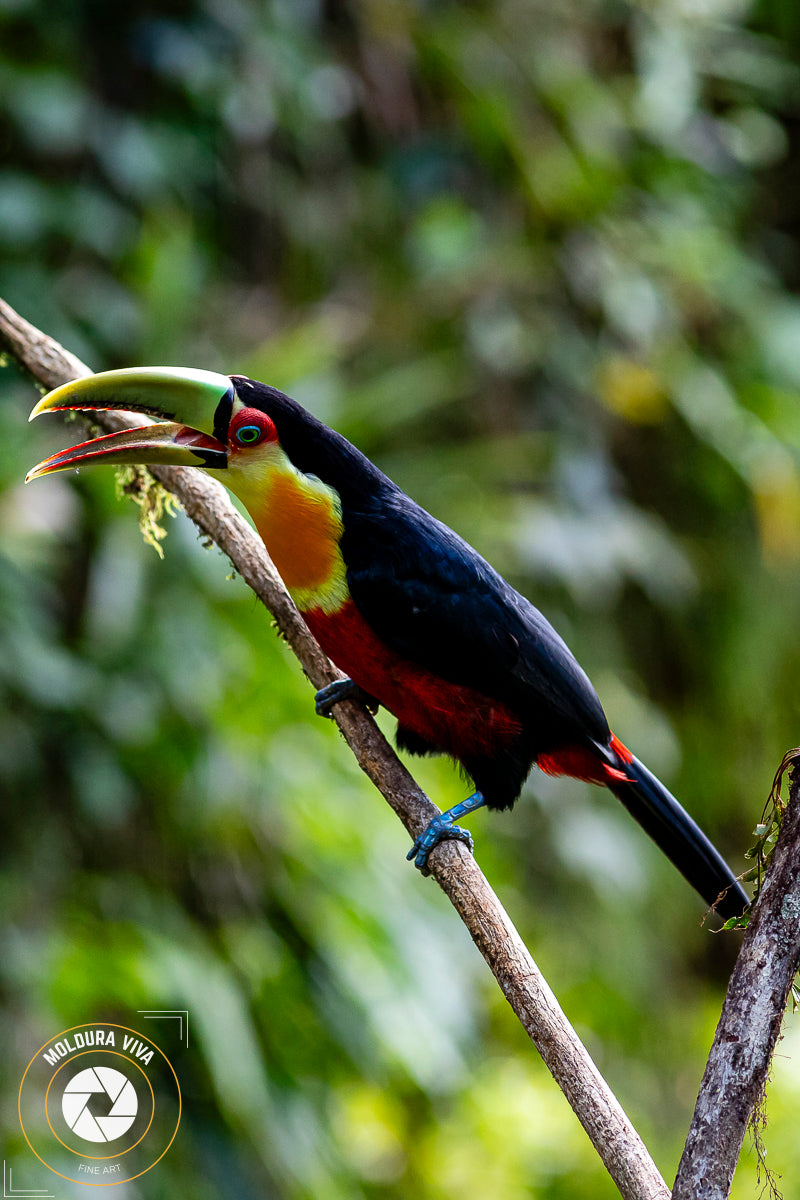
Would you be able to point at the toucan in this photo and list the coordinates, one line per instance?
(415, 618)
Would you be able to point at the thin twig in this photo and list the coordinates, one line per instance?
(206, 502)
(737, 1069)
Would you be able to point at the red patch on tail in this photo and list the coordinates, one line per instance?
(622, 751)
(580, 763)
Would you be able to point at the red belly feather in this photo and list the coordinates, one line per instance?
(456, 719)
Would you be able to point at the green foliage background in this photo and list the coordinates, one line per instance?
(540, 262)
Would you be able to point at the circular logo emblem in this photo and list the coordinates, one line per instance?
(99, 1104)
(97, 1082)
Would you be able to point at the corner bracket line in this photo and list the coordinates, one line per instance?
(10, 1191)
(175, 1014)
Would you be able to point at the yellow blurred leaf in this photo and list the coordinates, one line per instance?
(777, 500)
(631, 390)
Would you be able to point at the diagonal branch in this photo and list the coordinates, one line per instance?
(206, 502)
(737, 1069)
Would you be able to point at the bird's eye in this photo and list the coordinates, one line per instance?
(250, 427)
(249, 435)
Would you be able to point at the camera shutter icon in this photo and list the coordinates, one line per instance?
(103, 1081)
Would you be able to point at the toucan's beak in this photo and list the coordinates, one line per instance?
(193, 409)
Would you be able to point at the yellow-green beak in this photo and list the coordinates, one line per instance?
(192, 409)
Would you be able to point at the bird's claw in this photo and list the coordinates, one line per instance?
(438, 830)
(342, 689)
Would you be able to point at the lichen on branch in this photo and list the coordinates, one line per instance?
(153, 501)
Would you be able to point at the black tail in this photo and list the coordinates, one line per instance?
(683, 842)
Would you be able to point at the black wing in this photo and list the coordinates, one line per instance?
(432, 598)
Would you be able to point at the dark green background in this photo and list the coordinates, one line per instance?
(539, 261)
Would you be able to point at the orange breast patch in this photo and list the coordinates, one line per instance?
(300, 524)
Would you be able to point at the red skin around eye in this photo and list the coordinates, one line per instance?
(253, 416)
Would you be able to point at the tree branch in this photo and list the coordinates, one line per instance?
(206, 502)
(737, 1068)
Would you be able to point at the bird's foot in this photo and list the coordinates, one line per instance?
(342, 689)
(441, 829)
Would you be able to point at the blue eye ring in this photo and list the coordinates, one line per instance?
(249, 435)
